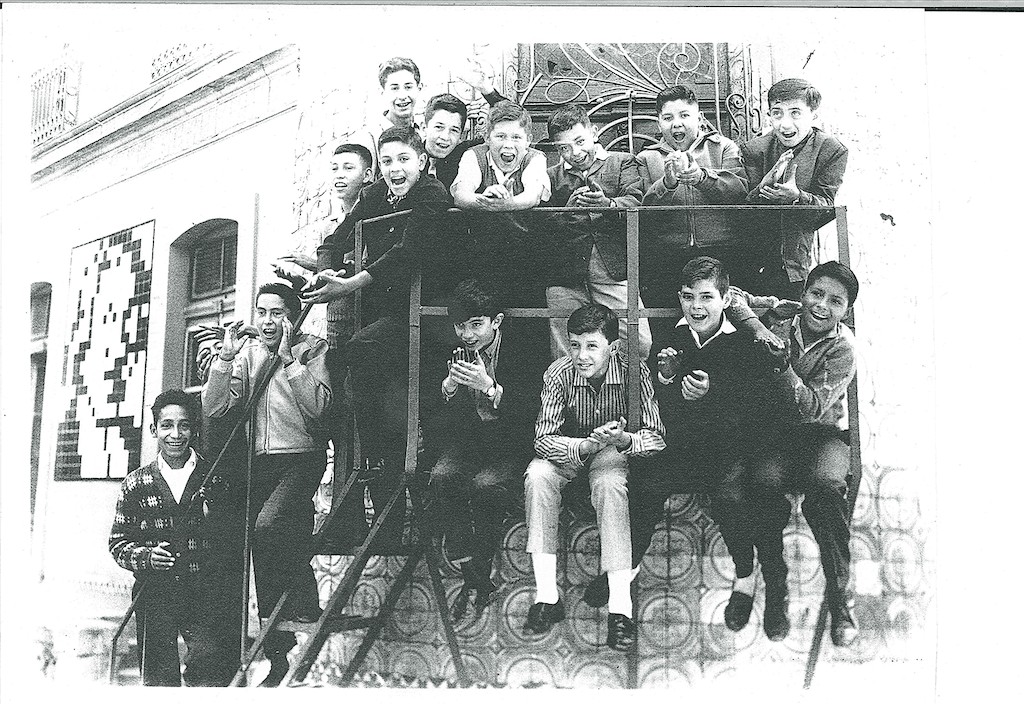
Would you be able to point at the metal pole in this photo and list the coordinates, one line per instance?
(247, 539)
(633, 421)
(718, 104)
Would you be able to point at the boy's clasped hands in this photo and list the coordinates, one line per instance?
(779, 184)
(589, 196)
(681, 167)
(695, 384)
(462, 371)
(611, 433)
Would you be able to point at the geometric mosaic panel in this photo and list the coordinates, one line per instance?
(104, 372)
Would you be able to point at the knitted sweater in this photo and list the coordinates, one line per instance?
(147, 514)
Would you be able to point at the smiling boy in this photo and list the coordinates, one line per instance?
(289, 452)
(499, 177)
(591, 261)
(377, 355)
(160, 533)
(400, 87)
(581, 430)
(813, 454)
(719, 402)
(444, 124)
(718, 399)
(692, 164)
(795, 164)
(482, 435)
(505, 173)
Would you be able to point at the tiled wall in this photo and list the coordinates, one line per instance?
(684, 585)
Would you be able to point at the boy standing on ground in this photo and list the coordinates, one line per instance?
(160, 533)
(581, 429)
(289, 452)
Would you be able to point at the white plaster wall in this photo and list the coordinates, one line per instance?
(222, 180)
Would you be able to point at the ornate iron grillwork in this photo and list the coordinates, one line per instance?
(619, 83)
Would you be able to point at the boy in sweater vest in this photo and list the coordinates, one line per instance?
(496, 179)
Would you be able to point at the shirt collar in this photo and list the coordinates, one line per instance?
(386, 123)
(727, 328)
(490, 352)
(190, 463)
(798, 334)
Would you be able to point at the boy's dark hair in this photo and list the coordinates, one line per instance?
(565, 118)
(594, 317)
(684, 93)
(705, 269)
(287, 294)
(794, 89)
(448, 103)
(177, 397)
(507, 111)
(359, 150)
(472, 299)
(395, 64)
(841, 273)
(405, 135)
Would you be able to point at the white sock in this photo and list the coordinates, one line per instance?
(619, 599)
(745, 585)
(544, 575)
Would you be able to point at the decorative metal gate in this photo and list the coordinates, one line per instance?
(619, 82)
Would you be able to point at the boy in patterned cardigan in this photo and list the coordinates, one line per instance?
(160, 534)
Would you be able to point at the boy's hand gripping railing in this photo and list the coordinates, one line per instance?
(245, 417)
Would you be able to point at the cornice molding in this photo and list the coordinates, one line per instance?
(173, 103)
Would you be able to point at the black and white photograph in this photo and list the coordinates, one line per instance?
(505, 346)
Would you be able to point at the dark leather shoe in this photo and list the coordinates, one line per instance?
(621, 632)
(737, 611)
(596, 593)
(542, 617)
(278, 670)
(776, 613)
(844, 629)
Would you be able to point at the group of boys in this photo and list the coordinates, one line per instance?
(753, 407)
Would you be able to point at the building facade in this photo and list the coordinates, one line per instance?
(165, 211)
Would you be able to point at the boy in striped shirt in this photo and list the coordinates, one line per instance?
(581, 429)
